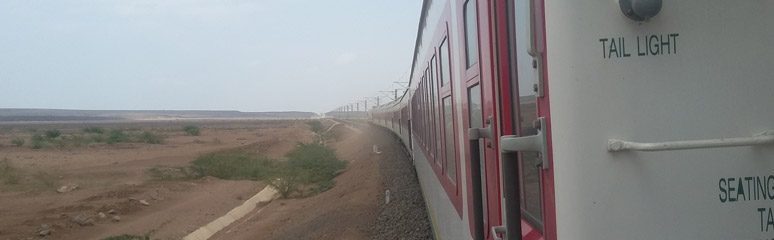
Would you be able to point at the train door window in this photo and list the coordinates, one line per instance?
(525, 111)
(421, 119)
(443, 55)
(426, 131)
(429, 78)
(424, 112)
(471, 30)
(451, 168)
(475, 120)
(434, 90)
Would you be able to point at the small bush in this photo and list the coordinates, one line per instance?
(233, 164)
(8, 173)
(17, 141)
(319, 160)
(116, 135)
(45, 179)
(53, 133)
(191, 130)
(307, 164)
(60, 143)
(98, 138)
(167, 173)
(36, 141)
(97, 130)
(79, 140)
(315, 126)
(286, 180)
(148, 137)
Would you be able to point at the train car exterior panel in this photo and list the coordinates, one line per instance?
(708, 75)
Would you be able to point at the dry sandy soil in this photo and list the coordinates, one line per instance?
(111, 177)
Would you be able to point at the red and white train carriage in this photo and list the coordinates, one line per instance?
(602, 119)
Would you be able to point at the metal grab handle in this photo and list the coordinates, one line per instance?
(766, 137)
(535, 143)
(497, 230)
(487, 132)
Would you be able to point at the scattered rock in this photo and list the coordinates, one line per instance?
(141, 201)
(112, 211)
(115, 218)
(44, 230)
(156, 196)
(64, 189)
(83, 221)
(101, 215)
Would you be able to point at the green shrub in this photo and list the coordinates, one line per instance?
(286, 180)
(53, 133)
(36, 141)
(167, 173)
(45, 179)
(8, 173)
(191, 130)
(233, 164)
(97, 130)
(98, 138)
(319, 160)
(17, 141)
(307, 164)
(315, 126)
(148, 137)
(116, 135)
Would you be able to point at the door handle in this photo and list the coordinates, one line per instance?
(534, 143)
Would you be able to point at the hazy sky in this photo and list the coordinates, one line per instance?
(248, 55)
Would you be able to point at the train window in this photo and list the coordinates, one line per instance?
(443, 55)
(451, 168)
(425, 112)
(432, 111)
(429, 121)
(434, 105)
(471, 32)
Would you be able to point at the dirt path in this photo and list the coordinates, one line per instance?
(114, 177)
(343, 212)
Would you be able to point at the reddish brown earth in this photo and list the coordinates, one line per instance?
(110, 176)
(344, 212)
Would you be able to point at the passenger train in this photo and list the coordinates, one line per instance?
(600, 119)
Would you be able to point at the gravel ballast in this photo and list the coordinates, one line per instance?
(405, 216)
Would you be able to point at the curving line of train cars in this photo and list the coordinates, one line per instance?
(605, 119)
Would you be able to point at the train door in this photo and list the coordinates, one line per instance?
(479, 109)
(527, 177)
